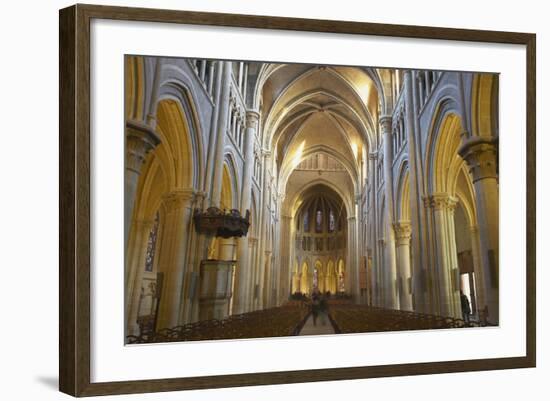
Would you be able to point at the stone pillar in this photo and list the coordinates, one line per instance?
(418, 238)
(481, 155)
(242, 296)
(381, 245)
(403, 240)
(372, 227)
(262, 229)
(253, 276)
(478, 271)
(284, 259)
(136, 261)
(446, 283)
(176, 224)
(266, 268)
(140, 140)
(223, 120)
(216, 66)
(390, 262)
(352, 269)
(196, 253)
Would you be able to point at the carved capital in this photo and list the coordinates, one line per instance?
(386, 124)
(140, 140)
(373, 155)
(441, 201)
(402, 231)
(178, 198)
(481, 156)
(252, 118)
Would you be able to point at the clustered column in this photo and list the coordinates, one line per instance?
(403, 241)
(373, 235)
(481, 155)
(137, 260)
(140, 140)
(352, 270)
(222, 123)
(284, 260)
(417, 211)
(176, 218)
(445, 274)
(244, 267)
(391, 300)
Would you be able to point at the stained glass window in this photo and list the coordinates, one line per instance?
(331, 221)
(151, 245)
(306, 221)
(319, 221)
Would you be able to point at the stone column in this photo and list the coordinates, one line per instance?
(481, 155)
(283, 260)
(403, 240)
(390, 265)
(196, 253)
(136, 261)
(176, 223)
(446, 263)
(478, 270)
(140, 140)
(223, 121)
(418, 240)
(253, 276)
(242, 296)
(272, 281)
(352, 270)
(262, 229)
(381, 290)
(216, 66)
(372, 227)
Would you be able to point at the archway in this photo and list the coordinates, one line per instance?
(320, 234)
(163, 202)
(447, 177)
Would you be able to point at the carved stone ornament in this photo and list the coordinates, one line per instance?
(221, 223)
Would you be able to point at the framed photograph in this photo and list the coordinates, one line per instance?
(250, 200)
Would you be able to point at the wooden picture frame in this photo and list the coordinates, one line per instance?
(74, 204)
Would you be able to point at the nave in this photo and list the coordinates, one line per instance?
(251, 186)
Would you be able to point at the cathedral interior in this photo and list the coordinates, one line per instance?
(252, 189)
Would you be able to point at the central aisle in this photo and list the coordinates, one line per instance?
(310, 330)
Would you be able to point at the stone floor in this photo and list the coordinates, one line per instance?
(323, 326)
